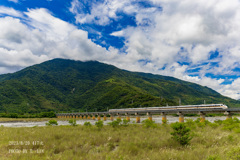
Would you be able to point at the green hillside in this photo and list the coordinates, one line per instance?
(67, 85)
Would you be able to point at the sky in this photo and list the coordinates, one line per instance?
(196, 41)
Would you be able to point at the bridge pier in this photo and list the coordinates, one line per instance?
(181, 117)
(137, 118)
(84, 116)
(149, 116)
(104, 117)
(80, 116)
(119, 116)
(127, 117)
(93, 117)
(228, 114)
(164, 118)
(111, 117)
(202, 116)
(88, 117)
(99, 117)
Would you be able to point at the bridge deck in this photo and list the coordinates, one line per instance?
(183, 111)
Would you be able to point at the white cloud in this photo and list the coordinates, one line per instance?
(45, 37)
(10, 12)
(15, 1)
(102, 13)
(199, 27)
(183, 31)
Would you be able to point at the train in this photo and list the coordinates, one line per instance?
(201, 106)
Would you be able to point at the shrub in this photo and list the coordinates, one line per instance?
(99, 124)
(87, 124)
(181, 133)
(52, 122)
(125, 122)
(115, 123)
(230, 124)
(190, 123)
(149, 124)
(72, 122)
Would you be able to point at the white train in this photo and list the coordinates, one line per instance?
(201, 106)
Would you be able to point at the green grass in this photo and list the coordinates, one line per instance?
(132, 142)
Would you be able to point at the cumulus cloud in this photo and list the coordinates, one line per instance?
(103, 12)
(10, 12)
(44, 37)
(189, 32)
(170, 37)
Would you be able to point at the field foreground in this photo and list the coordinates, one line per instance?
(219, 140)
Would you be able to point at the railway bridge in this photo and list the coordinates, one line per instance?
(201, 110)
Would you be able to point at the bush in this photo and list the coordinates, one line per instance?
(72, 122)
(181, 133)
(190, 123)
(87, 124)
(125, 122)
(149, 124)
(230, 124)
(99, 124)
(52, 122)
(115, 123)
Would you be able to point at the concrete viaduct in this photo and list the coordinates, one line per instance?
(98, 115)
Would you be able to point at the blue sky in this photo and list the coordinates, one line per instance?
(193, 41)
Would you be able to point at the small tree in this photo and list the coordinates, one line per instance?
(181, 133)
(52, 122)
(125, 122)
(72, 122)
(99, 124)
(115, 123)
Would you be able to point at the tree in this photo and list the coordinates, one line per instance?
(181, 133)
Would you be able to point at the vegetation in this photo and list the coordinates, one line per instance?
(66, 85)
(149, 124)
(52, 123)
(116, 123)
(132, 142)
(72, 122)
(99, 124)
(36, 115)
(87, 124)
(181, 133)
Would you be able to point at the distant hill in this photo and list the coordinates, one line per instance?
(67, 85)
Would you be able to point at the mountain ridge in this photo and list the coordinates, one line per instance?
(69, 85)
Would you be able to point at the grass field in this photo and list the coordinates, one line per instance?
(220, 140)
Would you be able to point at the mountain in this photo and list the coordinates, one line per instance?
(67, 85)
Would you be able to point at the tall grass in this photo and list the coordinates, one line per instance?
(132, 142)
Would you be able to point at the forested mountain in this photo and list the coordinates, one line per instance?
(67, 85)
